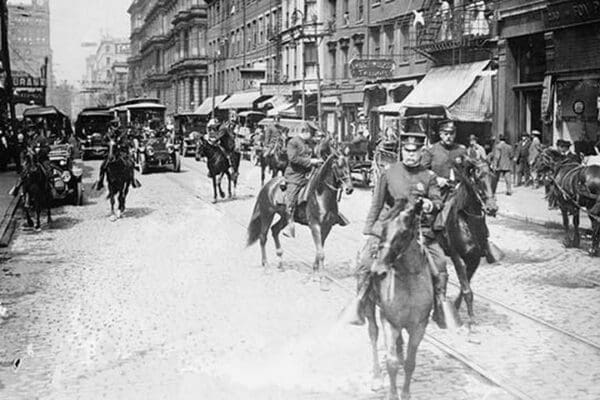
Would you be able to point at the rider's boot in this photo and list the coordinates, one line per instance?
(14, 191)
(440, 283)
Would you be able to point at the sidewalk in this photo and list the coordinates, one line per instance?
(529, 205)
(8, 205)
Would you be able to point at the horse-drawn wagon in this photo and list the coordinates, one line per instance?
(395, 118)
(65, 178)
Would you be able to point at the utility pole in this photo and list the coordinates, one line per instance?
(44, 75)
(6, 61)
(214, 91)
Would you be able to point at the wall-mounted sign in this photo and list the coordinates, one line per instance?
(28, 82)
(29, 96)
(371, 68)
(566, 12)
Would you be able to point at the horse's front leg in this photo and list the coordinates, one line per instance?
(228, 184)
(219, 180)
(319, 264)
(565, 218)
(595, 235)
(465, 286)
(275, 230)
(576, 235)
(376, 383)
(26, 208)
(392, 361)
(38, 211)
(214, 182)
(414, 339)
(112, 207)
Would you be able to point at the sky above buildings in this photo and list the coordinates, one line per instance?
(73, 22)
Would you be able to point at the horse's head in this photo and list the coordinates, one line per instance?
(341, 170)
(399, 230)
(546, 164)
(477, 176)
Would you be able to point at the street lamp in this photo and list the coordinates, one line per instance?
(214, 91)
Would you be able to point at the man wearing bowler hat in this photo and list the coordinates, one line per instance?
(406, 179)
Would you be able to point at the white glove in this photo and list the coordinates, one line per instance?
(442, 181)
(427, 206)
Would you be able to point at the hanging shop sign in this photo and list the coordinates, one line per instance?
(371, 68)
(29, 96)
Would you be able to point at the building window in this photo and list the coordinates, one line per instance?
(405, 41)
(345, 13)
(345, 62)
(375, 40)
(360, 12)
(389, 39)
(333, 64)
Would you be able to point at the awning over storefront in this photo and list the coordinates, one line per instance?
(242, 100)
(277, 105)
(446, 85)
(476, 104)
(206, 107)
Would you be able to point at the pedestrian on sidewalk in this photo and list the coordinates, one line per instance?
(475, 150)
(534, 151)
(501, 164)
(522, 160)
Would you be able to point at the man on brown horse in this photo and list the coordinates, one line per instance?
(122, 150)
(299, 152)
(407, 179)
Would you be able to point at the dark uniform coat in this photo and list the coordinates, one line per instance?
(299, 154)
(440, 158)
(398, 182)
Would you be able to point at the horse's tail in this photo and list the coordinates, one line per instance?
(255, 227)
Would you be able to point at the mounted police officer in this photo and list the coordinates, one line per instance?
(406, 179)
(222, 137)
(38, 145)
(122, 151)
(299, 152)
(442, 159)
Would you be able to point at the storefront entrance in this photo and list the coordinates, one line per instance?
(530, 110)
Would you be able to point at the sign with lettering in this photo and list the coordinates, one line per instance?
(567, 12)
(28, 82)
(371, 68)
(29, 96)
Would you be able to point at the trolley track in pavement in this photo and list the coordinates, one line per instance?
(490, 300)
(490, 376)
(510, 309)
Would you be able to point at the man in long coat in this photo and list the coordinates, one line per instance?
(501, 164)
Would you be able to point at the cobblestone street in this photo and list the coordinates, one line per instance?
(167, 303)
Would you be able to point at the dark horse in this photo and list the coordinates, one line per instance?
(319, 211)
(36, 189)
(464, 237)
(275, 159)
(404, 296)
(119, 175)
(571, 186)
(218, 166)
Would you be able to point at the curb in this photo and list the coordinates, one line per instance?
(7, 225)
(540, 222)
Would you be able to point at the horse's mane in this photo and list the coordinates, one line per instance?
(462, 197)
(316, 183)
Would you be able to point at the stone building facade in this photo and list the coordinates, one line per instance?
(169, 59)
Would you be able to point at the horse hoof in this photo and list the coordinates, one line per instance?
(38, 229)
(376, 383)
(324, 284)
(113, 218)
(214, 201)
(593, 252)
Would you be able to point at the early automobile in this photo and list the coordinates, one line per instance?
(65, 177)
(90, 128)
(188, 128)
(157, 149)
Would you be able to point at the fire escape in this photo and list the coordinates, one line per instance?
(274, 36)
(453, 35)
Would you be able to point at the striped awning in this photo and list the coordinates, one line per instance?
(243, 100)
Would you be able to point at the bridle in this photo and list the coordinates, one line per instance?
(477, 192)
